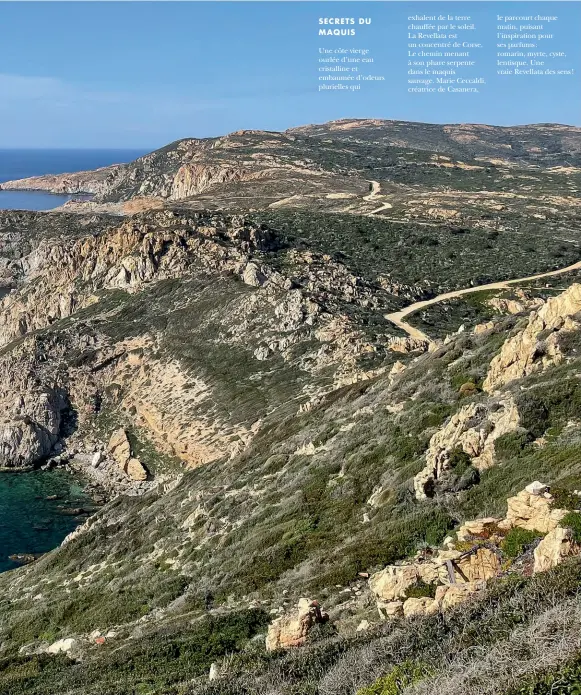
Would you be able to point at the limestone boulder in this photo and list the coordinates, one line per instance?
(292, 630)
(478, 528)
(119, 447)
(420, 606)
(554, 548)
(391, 583)
(533, 511)
(62, 646)
(135, 469)
(389, 609)
(120, 450)
(453, 594)
(482, 565)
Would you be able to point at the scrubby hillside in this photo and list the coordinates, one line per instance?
(267, 436)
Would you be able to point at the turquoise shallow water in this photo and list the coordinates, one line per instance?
(31, 523)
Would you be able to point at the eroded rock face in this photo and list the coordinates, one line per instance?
(525, 353)
(30, 413)
(293, 630)
(557, 545)
(391, 583)
(474, 429)
(533, 511)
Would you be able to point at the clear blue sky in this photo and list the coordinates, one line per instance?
(116, 74)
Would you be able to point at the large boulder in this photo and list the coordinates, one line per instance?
(420, 606)
(483, 564)
(120, 450)
(119, 447)
(391, 583)
(453, 594)
(135, 469)
(390, 609)
(532, 509)
(554, 548)
(293, 630)
(478, 528)
(62, 646)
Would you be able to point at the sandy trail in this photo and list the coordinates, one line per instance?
(398, 317)
(376, 193)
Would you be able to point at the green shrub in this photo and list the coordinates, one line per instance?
(572, 520)
(459, 461)
(421, 590)
(563, 681)
(512, 444)
(516, 540)
(565, 499)
(396, 680)
(549, 405)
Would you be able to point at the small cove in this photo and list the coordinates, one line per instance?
(32, 200)
(37, 511)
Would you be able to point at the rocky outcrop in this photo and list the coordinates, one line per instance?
(464, 566)
(120, 449)
(536, 346)
(95, 181)
(407, 344)
(293, 630)
(31, 412)
(515, 306)
(392, 582)
(473, 429)
(557, 545)
(532, 509)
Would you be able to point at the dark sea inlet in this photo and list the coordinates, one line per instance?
(20, 164)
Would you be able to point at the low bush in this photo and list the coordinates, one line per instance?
(396, 680)
(572, 520)
(421, 590)
(516, 541)
(512, 445)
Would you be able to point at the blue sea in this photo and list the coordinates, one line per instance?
(20, 164)
(37, 510)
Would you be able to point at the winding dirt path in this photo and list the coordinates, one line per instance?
(397, 317)
(376, 193)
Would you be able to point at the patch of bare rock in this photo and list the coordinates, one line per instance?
(292, 630)
(473, 429)
(537, 346)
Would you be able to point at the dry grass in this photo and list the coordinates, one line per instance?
(548, 641)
